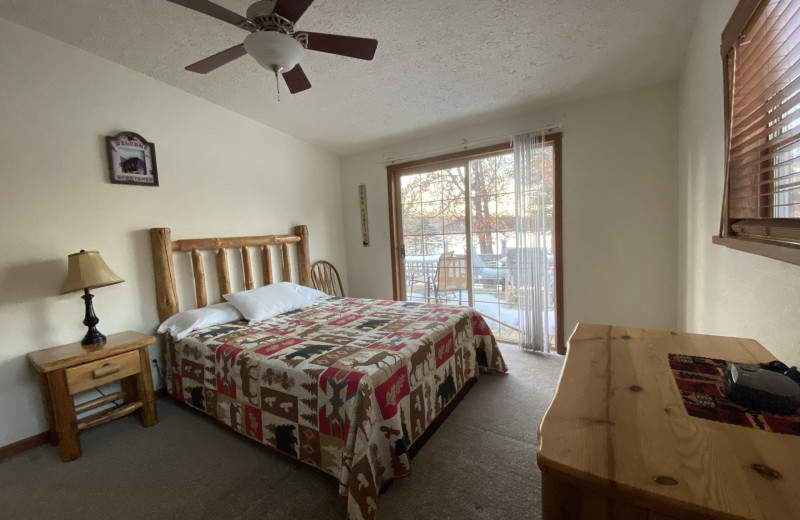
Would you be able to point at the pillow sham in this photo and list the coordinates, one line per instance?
(268, 301)
(185, 322)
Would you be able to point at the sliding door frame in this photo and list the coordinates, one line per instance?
(392, 173)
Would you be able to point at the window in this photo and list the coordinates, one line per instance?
(761, 63)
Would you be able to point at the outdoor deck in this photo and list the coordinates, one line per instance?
(493, 295)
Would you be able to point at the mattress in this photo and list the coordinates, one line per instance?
(345, 385)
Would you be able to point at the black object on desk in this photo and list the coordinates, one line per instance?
(761, 389)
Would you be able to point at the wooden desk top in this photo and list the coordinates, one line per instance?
(617, 421)
(72, 354)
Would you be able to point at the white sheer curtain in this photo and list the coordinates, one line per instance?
(530, 270)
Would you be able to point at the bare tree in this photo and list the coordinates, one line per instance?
(434, 204)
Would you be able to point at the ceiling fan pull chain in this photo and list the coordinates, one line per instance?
(278, 84)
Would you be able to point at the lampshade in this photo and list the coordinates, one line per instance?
(87, 270)
(273, 50)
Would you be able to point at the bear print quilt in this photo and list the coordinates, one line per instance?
(345, 385)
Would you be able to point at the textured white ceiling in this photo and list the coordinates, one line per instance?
(440, 64)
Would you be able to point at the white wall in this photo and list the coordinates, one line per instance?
(723, 291)
(221, 175)
(619, 205)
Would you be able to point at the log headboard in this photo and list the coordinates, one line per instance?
(164, 266)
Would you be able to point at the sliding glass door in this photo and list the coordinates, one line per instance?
(492, 216)
(454, 237)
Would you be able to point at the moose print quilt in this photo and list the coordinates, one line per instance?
(345, 385)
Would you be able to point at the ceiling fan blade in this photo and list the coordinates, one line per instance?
(292, 10)
(213, 10)
(217, 60)
(350, 46)
(296, 80)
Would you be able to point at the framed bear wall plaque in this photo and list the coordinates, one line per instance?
(131, 159)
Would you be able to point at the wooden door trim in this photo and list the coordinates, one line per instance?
(393, 242)
(464, 154)
(558, 269)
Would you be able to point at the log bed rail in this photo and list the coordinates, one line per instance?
(164, 266)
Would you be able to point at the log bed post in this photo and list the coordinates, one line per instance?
(248, 269)
(287, 263)
(266, 260)
(199, 278)
(166, 290)
(222, 272)
(303, 257)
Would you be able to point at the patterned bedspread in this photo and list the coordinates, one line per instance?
(345, 385)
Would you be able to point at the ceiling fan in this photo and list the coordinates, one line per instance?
(273, 41)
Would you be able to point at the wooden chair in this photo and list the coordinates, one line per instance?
(326, 278)
(451, 275)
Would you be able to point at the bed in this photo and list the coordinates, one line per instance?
(346, 385)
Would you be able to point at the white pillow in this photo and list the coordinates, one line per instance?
(185, 322)
(308, 292)
(268, 301)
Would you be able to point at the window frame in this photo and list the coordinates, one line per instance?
(767, 237)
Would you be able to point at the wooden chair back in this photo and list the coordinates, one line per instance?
(451, 275)
(325, 278)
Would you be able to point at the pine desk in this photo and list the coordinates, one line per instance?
(617, 443)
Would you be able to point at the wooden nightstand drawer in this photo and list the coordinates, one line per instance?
(96, 373)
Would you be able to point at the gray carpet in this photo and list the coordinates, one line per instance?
(480, 464)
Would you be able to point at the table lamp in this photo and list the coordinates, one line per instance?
(87, 270)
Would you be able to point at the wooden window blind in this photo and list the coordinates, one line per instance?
(761, 63)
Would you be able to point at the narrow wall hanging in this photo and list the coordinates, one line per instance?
(131, 159)
(362, 195)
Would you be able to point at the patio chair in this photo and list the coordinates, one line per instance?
(419, 272)
(326, 278)
(451, 275)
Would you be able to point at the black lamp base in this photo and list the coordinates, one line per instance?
(93, 338)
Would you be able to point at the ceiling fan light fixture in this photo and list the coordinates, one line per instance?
(273, 50)
(273, 41)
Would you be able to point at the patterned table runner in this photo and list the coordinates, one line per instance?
(701, 383)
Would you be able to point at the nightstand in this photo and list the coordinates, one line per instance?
(69, 369)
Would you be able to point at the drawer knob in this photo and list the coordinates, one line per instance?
(108, 369)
